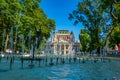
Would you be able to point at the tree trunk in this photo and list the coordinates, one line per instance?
(98, 51)
(6, 42)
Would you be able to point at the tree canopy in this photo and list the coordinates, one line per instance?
(27, 16)
(95, 21)
(115, 37)
(101, 20)
(84, 40)
(113, 7)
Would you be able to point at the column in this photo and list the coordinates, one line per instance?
(54, 48)
(64, 48)
(60, 48)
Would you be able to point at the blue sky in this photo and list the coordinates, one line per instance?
(59, 10)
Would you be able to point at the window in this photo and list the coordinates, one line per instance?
(67, 46)
(66, 52)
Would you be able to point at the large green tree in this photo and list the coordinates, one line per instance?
(84, 40)
(36, 21)
(90, 13)
(27, 16)
(9, 16)
(113, 8)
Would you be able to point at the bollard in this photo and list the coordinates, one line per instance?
(95, 61)
(7, 59)
(69, 60)
(13, 59)
(10, 63)
(0, 59)
(74, 59)
(57, 60)
(79, 59)
(63, 61)
(83, 61)
(60, 59)
(46, 61)
(39, 60)
(43, 60)
(22, 61)
(51, 62)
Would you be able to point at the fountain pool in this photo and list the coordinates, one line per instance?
(75, 71)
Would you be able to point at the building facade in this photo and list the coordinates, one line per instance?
(62, 42)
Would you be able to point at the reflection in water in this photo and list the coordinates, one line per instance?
(75, 71)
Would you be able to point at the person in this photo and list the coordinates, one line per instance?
(119, 48)
(116, 50)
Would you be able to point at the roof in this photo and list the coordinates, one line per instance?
(63, 32)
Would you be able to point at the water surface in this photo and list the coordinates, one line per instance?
(74, 71)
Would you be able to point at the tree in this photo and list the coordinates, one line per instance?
(84, 40)
(115, 37)
(90, 13)
(113, 7)
(34, 18)
(9, 16)
(27, 16)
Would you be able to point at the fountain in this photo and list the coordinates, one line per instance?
(50, 65)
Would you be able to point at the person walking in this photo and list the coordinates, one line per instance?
(119, 48)
(116, 50)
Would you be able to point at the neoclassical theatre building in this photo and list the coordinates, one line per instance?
(62, 42)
